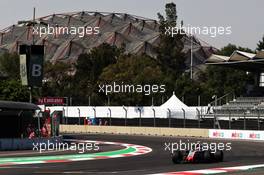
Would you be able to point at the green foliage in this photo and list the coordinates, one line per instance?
(9, 65)
(10, 86)
(230, 48)
(12, 90)
(88, 69)
(222, 80)
(171, 13)
(171, 16)
(170, 55)
(260, 45)
(188, 89)
(57, 81)
(133, 70)
(89, 66)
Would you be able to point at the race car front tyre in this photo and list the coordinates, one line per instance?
(177, 157)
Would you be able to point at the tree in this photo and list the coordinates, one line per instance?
(260, 45)
(171, 16)
(230, 48)
(89, 66)
(79, 80)
(189, 90)
(133, 70)
(88, 69)
(10, 86)
(170, 49)
(9, 65)
(12, 90)
(57, 79)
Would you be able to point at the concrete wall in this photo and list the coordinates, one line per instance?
(153, 131)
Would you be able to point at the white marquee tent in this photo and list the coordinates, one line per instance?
(174, 103)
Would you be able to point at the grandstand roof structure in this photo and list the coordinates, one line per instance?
(240, 60)
(137, 34)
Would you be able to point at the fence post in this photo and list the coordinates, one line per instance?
(229, 121)
(244, 120)
(67, 109)
(169, 117)
(39, 132)
(183, 117)
(154, 115)
(64, 116)
(139, 116)
(258, 119)
(215, 105)
(94, 114)
(125, 115)
(214, 118)
(79, 113)
(198, 117)
(110, 116)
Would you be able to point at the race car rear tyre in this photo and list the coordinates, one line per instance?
(207, 156)
(177, 157)
(219, 156)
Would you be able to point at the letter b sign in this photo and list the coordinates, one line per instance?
(36, 70)
(31, 64)
(36, 66)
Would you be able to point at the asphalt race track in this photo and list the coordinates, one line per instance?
(157, 161)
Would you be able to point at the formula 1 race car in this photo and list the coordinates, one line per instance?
(194, 156)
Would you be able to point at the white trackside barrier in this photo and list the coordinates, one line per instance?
(125, 112)
(172, 108)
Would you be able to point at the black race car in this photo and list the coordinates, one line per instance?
(197, 156)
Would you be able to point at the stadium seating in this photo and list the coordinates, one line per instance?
(243, 112)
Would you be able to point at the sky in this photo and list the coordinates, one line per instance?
(244, 16)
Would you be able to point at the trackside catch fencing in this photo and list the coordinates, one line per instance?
(192, 117)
